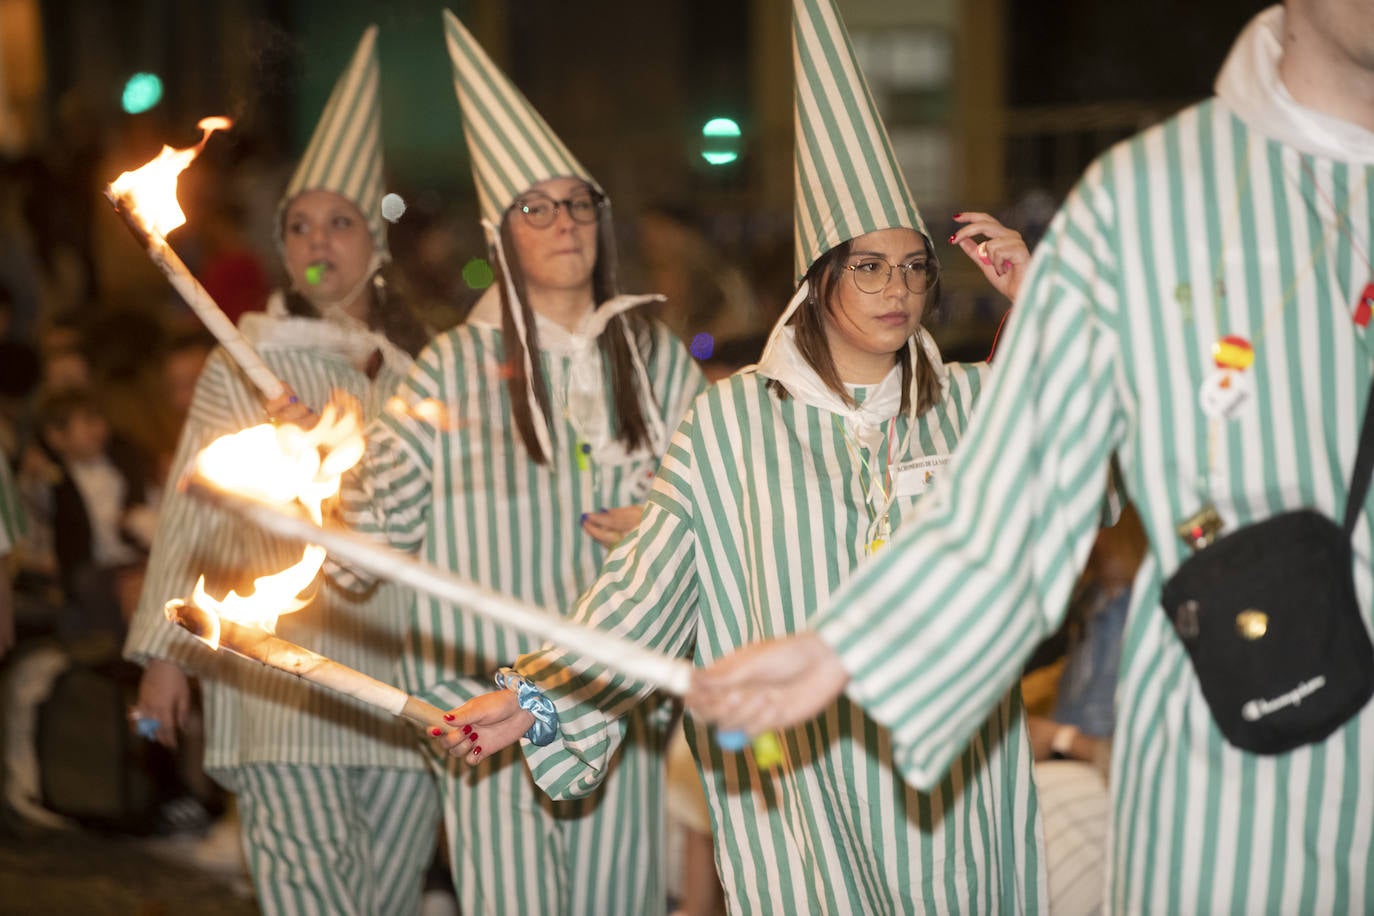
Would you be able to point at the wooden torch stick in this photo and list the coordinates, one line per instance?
(275, 652)
(206, 309)
(641, 664)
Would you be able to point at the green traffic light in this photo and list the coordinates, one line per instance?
(720, 141)
(720, 127)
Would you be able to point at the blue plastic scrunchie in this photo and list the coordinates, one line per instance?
(530, 697)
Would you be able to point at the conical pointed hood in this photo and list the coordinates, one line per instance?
(345, 152)
(510, 145)
(848, 181)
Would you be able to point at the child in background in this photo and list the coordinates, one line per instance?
(100, 519)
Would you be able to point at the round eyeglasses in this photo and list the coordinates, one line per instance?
(871, 275)
(540, 210)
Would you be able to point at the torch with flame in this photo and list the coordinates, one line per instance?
(280, 464)
(146, 199)
(265, 498)
(284, 465)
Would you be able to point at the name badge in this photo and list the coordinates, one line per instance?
(914, 477)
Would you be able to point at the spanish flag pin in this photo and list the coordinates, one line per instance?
(1364, 305)
(1233, 352)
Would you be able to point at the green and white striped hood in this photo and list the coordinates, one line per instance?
(345, 152)
(848, 181)
(511, 146)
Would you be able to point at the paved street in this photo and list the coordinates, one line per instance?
(71, 872)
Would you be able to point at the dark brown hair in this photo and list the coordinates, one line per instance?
(808, 324)
(55, 409)
(630, 424)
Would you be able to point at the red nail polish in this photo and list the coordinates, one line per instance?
(951, 240)
(472, 737)
(436, 731)
(449, 717)
(467, 729)
(476, 752)
(957, 215)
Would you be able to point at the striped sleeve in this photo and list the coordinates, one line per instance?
(189, 532)
(985, 569)
(646, 593)
(12, 525)
(387, 494)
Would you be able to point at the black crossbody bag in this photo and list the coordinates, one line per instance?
(1269, 617)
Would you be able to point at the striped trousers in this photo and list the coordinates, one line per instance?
(515, 852)
(336, 841)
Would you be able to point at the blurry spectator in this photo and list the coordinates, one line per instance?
(59, 348)
(11, 529)
(1080, 727)
(19, 269)
(99, 516)
(707, 295)
(186, 355)
(232, 273)
(19, 376)
(1072, 748)
(62, 207)
(126, 347)
(435, 255)
(227, 264)
(64, 370)
(697, 887)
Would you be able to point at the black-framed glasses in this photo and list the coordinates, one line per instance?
(540, 210)
(871, 275)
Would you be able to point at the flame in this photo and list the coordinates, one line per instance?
(279, 465)
(150, 191)
(428, 411)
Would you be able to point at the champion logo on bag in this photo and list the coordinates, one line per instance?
(1255, 710)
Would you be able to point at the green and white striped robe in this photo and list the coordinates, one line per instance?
(1111, 338)
(464, 494)
(759, 512)
(255, 714)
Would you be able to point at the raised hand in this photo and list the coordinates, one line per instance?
(1002, 255)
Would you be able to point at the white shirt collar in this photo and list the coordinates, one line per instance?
(784, 363)
(1249, 85)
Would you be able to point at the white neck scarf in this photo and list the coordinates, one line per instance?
(1249, 84)
(585, 396)
(335, 331)
(784, 363)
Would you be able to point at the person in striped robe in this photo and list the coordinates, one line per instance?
(549, 412)
(339, 812)
(1249, 215)
(780, 483)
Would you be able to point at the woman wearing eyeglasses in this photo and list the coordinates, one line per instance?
(780, 482)
(534, 431)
